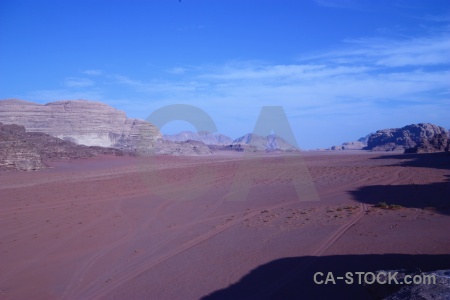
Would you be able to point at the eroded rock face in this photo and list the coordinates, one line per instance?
(21, 150)
(83, 122)
(181, 148)
(438, 143)
(203, 136)
(403, 138)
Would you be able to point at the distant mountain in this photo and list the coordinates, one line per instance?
(360, 144)
(202, 136)
(261, 143)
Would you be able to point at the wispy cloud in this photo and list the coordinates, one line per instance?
(365, 85)
(93, 72)
(75, 82)
(345, 4)
(177, 70)
(415, 52)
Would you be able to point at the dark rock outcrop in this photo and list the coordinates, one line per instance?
(438, 143)
(22, 150)
(403, 138)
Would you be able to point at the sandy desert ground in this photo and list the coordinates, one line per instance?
(227, 226)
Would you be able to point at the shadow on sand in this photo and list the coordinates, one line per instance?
(292, 278)
(435, 196)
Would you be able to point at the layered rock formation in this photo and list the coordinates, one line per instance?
(260, 143)
(403, 138)
(202, 136)
(21, 150)
(83, 122)
(93, 124)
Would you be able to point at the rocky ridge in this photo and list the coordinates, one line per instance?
(202, 136)
(403, 138)
(414, 138)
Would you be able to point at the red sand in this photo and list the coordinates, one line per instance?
(186, 227)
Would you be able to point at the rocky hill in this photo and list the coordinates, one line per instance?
(255, 142)
(437, 143)
(93, 124)
(21, 150)
(404, 138)
(247, 143)
(202, 136)
(360, 144)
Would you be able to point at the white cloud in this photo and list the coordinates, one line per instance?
(427, 51)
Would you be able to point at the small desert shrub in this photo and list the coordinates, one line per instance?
(395, 206)
(388, 206)
(382, 205)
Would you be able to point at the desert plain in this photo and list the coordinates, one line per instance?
(225, 226)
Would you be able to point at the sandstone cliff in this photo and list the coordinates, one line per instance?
(83, 122)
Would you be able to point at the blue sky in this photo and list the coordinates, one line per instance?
(341, 69)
